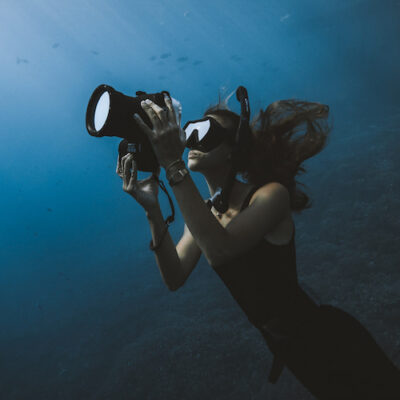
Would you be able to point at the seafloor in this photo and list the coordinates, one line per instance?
(143, 342)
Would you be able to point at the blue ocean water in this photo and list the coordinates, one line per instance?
(84, 313)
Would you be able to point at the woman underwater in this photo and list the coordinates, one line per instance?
(250, 244)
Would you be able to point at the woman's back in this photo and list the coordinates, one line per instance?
(263, 280)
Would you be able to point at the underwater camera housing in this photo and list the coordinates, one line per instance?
(110, 113)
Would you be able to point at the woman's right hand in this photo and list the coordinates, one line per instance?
(145, 192)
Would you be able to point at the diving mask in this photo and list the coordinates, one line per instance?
(205, 134)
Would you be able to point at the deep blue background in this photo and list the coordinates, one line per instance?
(83, 310)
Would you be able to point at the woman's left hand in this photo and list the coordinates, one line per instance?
(166, 136)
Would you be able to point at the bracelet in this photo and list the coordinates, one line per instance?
(176, 172)
(155, 247)
(179, 160)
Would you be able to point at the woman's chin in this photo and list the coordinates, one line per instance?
(192, 164)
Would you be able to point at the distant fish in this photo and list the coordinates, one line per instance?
(152, 58)
(96, 53)
(162, 77)
(285, 17)
(197, 62)
(165, 55)
(49, 209)
(22, 61)
(182, 59)
(55, 45)
(186, 13)
(39, 306)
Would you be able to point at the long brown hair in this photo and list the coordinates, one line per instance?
(275, 153)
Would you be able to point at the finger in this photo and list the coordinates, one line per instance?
(126, 169)
(150, 134)
(132, 184)
(119, 169)
(122, 163)
(171, 112)
(155, 120)
(182, 136)
(161, 113)
(134, 171)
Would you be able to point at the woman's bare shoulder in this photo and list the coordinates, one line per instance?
(268, 189)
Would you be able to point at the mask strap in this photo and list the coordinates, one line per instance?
(220, 200)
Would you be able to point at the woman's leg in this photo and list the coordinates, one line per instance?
(335, 357)
(372, 374)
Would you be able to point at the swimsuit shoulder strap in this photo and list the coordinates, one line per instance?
(248, 197)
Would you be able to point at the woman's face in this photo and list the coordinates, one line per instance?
(199, 161)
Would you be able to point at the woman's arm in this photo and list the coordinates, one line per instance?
(175, 264)
(271, 202)
(270, 205)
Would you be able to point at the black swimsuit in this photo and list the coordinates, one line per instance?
(327, 349)
(263, 280)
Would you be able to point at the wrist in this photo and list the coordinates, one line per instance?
(172, 164)
(154, 247)
(176, 171)
(153, 210)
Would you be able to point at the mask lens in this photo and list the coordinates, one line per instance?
(205, 134)
(202, 127)
(102, 110)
